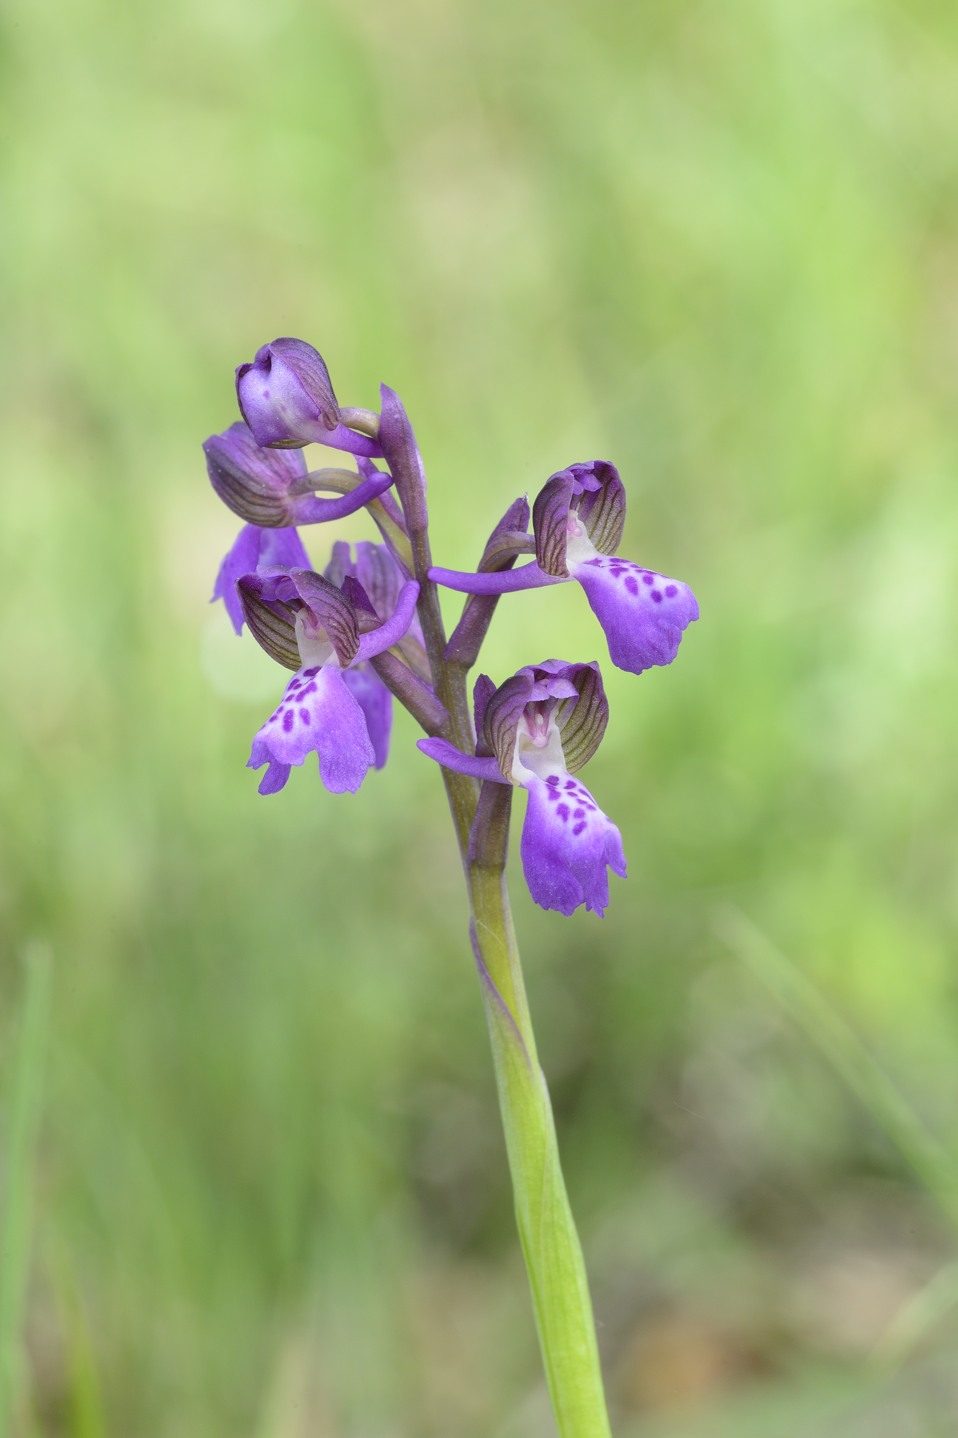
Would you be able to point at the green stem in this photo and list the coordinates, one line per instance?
(550, 1244)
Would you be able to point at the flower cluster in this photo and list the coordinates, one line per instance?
(368, 628)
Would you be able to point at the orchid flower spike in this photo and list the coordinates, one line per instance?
(577, 520)
(543, 725)
(286, 397)
(308, 624)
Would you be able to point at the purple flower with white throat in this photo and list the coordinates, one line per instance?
(255, 548)
(376, 584)
(542, 726)
(286, 397)
(577, 522)
(308, 624)
(577, 519)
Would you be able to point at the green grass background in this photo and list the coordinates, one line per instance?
(252, 1179)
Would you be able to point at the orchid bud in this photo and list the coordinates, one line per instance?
(285, 395)
(253, 482)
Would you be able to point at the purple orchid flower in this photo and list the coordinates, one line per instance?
(286, 397)
(270, 487)
(577, 521)
(378, 585)
(308, 624)
(541, 726)
(255, 549)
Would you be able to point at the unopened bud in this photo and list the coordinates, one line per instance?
(285, 395)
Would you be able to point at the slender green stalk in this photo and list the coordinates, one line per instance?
(550, 1244)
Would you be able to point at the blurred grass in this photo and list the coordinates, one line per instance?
(713, 243)
(23, 1119)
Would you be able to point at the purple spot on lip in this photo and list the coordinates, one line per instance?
(657, 596)
(647, 578)
(671, 590)
(304, 716)
(577, 828)
(553, 779)
(288, 718)
(578, 813)
(563, 812)
(552, 793)
(571, 784)
(632, 584)
(309, 673)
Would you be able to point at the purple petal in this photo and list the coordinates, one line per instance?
(643, 613)
(318, 715)
(450, 757)
(601, 508)
(378, 573)
(344, 438)
(567, 842)
(271, 622)
(508, 581)
(376, 703)
(276, 774)
(331, 611)
(254, 548)
(310, 509)
(381, 577)
(550, 522)
(377, 641)
(357, 596)
(585, 499)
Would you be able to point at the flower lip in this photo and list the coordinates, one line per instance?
(643, 613)
(568, 844)
(317, 714)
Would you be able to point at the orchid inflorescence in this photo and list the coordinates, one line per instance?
(368, 628)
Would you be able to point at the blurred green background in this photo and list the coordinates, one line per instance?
(252, 1176)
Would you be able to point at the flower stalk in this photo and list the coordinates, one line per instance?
(370, 630)
(547, 1232)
